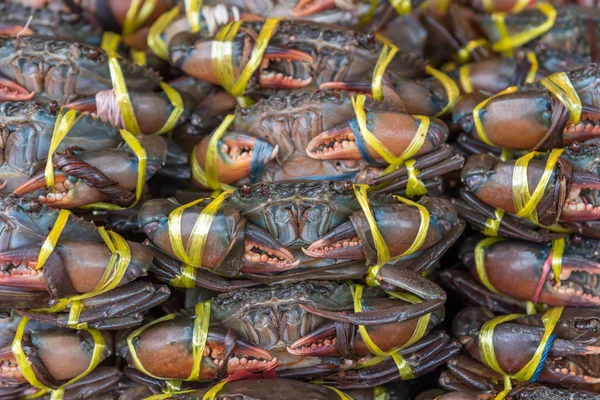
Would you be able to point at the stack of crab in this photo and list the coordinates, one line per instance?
(215, 200)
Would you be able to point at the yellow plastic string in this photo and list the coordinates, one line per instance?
(402, 7)
(200, 176)
(388, 51)
(493, 224)
(558, 249)
(464, 53)
(199, 335)
(155, 40)
(163, 396)
(450, 87)
(63, 124)
(464, 76)
(52, 238)
(486, 343)
(534, 67)
(508, 43)
(477, 114)
(140, 153)
(110, 43)
(480, 261)
(561, 86)
(506, 155)
(415, 186)
(187, 279)
(404, 368)
(139, 57)
(212, 393)
(342, 395)
(122, 95)
(367, 16)
(192, 253)
(383, 252)
(192, 13)
(380, 393)
(413, 148)
(525, 203)
(28, 372)
(212, 176)
(177, 103)
(520, 5)
(137, 15)
(222, 54)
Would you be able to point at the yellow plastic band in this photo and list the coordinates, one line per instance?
(464, 76)
(415, 186)
(508, 43)
(52, 238)
(561, 86)
(187, 279)
(367, 16)
(200, 176)
(177, 103)
(122, 95)
(486, 343)
(534, 67)
(413, 148)
(169, 395)
(342, 395)
(222, 54)
(64, 123)
(388, 51)
(480, 261)
(28, 373)
(212, 393)
(383, 252)
(192, 13)
(402, 7)
(139, 57)
(192, 254)
(450, 87)
(110, 43)
(525, 203)
(477, 114)
(493, 224)
(140, 153)
(404, 367)
(520, 5)
(464, 53)
(155, 40)
(558, 249)
(380, 393)
(199, 335)
(137, 15)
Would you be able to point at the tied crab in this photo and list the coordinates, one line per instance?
(287, 232)
(303, 330)
(304, 55)
(553, 273)
(570, 361)
(93, 163)
(57, 358)
(320, 135)
(81, 274)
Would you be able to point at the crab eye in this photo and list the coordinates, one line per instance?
(53, 107)
(347, 186)
(93, 54)
(246, 189)
(575, 147)
(577, 240)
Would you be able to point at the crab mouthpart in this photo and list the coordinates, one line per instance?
(18, 269)
(285, 69)
(579, 279)
(583, 200)
(9, 369)
(342, 244)
(263, 254)
(334, 144)
(11, 91)
(320, 343)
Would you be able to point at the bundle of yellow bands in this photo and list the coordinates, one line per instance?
(29, 374)
(113, 274)
(124, 101)
(464, 53)
(404, 368)
(402, 7)
(493, 224)
(199, 335)
(155, 40)
(64, 123)
(383, 252)
(210, 178)
(558, 84)
(110, 43)
(192, 254)
(507, 43)
(486, 346)
(464, 73)
(558, 248)
(222, 53)
(415, 186)
(386, 56)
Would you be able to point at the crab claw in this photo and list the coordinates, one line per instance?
(165, 350)
(393, 129)
(239, 156)
(264, 254)
(280, 67)
(84, 104)
(11, 91)
(342, 243)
